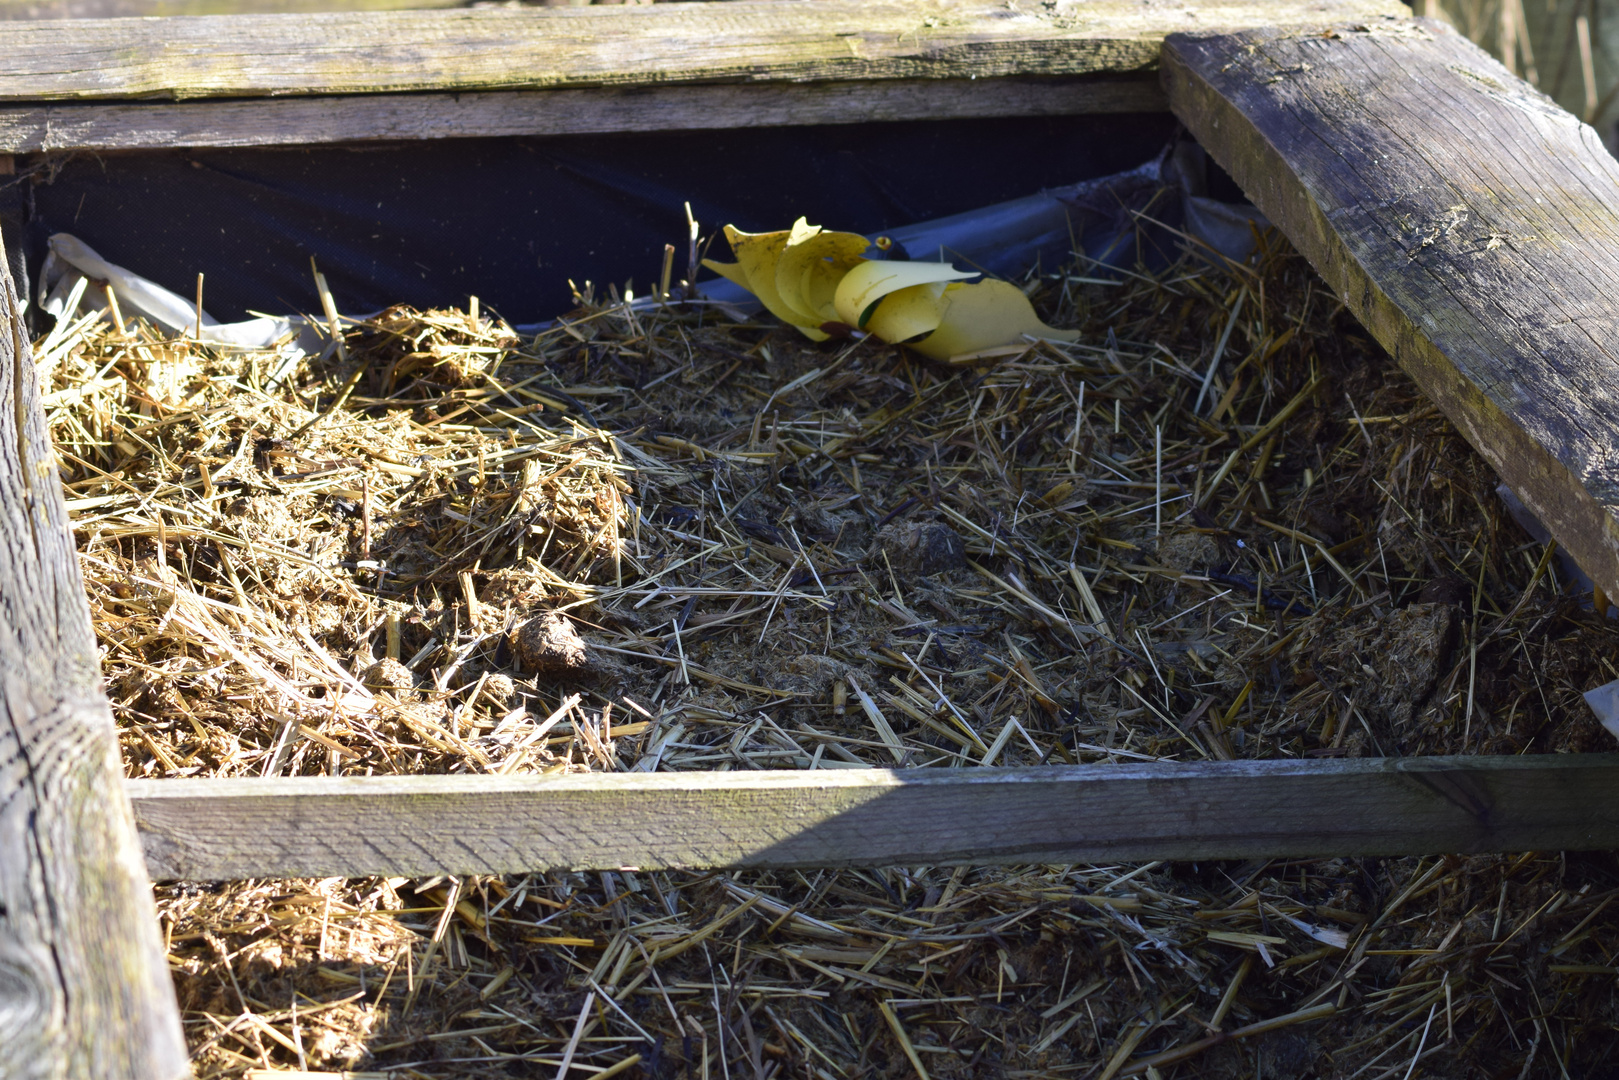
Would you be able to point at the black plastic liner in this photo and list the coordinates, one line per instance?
(512, 219)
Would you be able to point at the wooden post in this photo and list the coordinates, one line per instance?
(84, 984)
(1465, 219)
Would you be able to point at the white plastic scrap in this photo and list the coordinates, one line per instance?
(1338, 939)
(72, 260)
(1604, 701)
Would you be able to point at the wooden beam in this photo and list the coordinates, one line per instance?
(84, 983)
(1466, 220)
(746, 41)
(371, 117)
(420, 825)
(126, 9)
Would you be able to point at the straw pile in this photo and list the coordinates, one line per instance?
(1222, 526)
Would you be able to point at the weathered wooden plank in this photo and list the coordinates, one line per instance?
(84, 984)
(318, 826)
(361, 118)
(125, 9)
(1467, 221)
(665, 44)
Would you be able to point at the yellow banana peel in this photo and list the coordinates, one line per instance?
(984, 315)
(755, 270)
(908, 313)
(815, 279)
(809, 270)
(870, 282)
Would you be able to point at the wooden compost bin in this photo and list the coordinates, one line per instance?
(1466, 221)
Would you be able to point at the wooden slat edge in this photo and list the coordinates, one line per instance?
(366, 118)
(318, 827)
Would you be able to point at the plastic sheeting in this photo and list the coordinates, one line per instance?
(1117, 221)
(71, 262)
(1138, 216)
(511, 220)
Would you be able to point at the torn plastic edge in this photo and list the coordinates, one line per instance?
(1604, 701)
(71, 260)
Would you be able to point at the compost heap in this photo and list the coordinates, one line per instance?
(678, 539)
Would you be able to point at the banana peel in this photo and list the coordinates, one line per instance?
(821, 282)
(863, 288)
(794, 272)
(809, 270)
(757, 255)
(985, 315)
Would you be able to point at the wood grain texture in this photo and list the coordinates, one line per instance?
(659, 45)
(1467, 221)
(420, 825)
(372, 117)
(84, 984)
(125, 9)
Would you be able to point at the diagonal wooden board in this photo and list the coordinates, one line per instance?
(256, 80)
(1465, 219)
(426, 825)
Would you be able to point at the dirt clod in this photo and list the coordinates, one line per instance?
(1188, 551)
(918, 547)
(1414, 647)
(388, 674)
(500, 690)
(549, 645)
